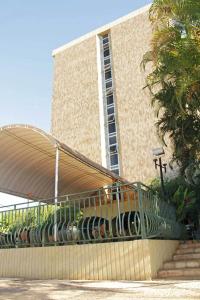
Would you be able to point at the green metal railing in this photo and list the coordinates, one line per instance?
(119, 212)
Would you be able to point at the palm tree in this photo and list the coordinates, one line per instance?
(174, 82)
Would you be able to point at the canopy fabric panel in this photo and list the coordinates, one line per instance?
(27, 165)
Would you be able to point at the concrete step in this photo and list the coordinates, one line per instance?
(179, 278)
(187, 256)
(182, 264)
(173, 273)
(190, 242)
(190, 245)
(188, 250)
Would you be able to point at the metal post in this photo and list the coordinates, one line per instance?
(118, 207)
(38, 213)
(56, 193)
(161, 167)
(141, 210)
(161, 176)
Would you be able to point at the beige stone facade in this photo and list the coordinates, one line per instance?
(135, 116)
(75, 107)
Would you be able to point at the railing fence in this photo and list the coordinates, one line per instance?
(113, 213)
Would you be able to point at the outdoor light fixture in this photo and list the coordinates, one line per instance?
(158, 151)
(158, 163)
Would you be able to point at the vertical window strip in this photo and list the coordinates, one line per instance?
(101, 102)
(112, 154)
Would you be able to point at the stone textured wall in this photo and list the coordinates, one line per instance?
(75, 105)
(137, 134)
(75, 108)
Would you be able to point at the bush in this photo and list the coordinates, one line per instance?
(184, 196)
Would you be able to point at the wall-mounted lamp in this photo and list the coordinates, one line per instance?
(158, 151)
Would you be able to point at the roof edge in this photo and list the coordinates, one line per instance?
(63, 147)
(101, 29)
(48, 136)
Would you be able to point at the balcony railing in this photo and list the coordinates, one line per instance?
(114, 213)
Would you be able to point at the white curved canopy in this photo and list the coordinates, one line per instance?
(27, 165)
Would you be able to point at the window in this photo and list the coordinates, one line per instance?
(114, 159)
(107, 67)
(108, 75)
(109, 101)
(106, 46)
(106, 52)
(112, 140)
(111, 118)
(105, 39)
(108, 84)
(106, 61)
(110, 110)
(111, 127)
(109, 91)
(113, 149)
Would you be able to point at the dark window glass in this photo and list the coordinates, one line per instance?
(113, 149)
(106, 47)
(114, 159)
(105, 39)
(106, 52)
(107, 61)
(112, 140)
(111, 127)
(108, 84)
(108, 75)
(111, 118)
(109, 99)
(107, 67)
(110, 110)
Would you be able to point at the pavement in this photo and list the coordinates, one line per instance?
(65, 289)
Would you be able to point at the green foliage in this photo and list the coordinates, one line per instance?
(41, 215)
(13, 219)
(184, 200)
(184, 196)
(64, 214)
(174, 82)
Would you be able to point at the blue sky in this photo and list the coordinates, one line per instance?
(29, 31)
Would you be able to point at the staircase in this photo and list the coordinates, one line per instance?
(185, 263)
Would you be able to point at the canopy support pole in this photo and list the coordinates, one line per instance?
(56, 194)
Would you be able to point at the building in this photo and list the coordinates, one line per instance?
(104, 227)
(99, 105)
(101, 232)
(80, 226)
